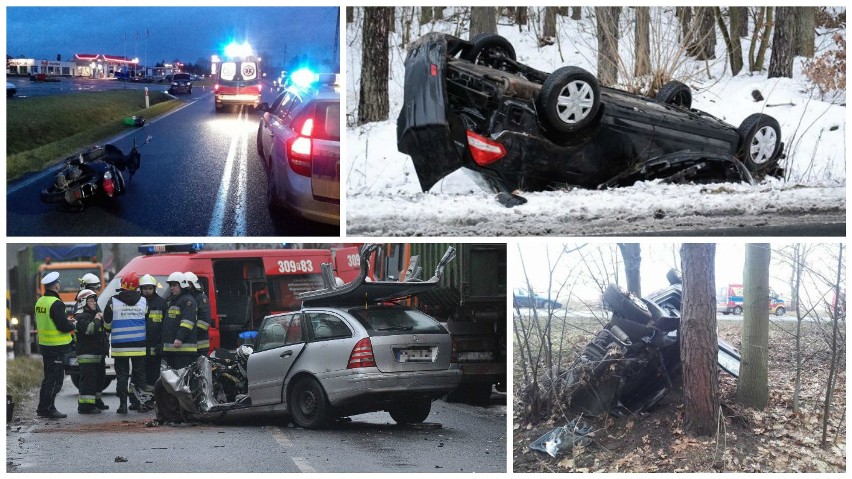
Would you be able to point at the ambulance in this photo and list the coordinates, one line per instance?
(244, 286)
(730, 301)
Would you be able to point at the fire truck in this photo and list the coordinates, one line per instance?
(237, 75)
(244, 286)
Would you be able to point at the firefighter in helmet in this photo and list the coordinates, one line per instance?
(90, 352)
(179, 337)
(124, 317)
(153, 327)
(203, 313)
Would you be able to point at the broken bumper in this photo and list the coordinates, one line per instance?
(342, 389)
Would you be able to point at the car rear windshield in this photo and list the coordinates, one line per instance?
(242, 73)
(326, 115)
(383, 321)
(181, 77)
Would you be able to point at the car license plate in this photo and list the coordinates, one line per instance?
(413, 355)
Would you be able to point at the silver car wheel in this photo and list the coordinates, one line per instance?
(763, 145)
(575, 102)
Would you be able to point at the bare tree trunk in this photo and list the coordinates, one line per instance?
(798, 266)
(438, 13)
(392, 20)
(832, 368)
(373, 98)
(704, 47)
(643, 42)
(406, 17)
(698, 341)
(482, 20)
(548, 28)
(684, 14)
(632, 254)
(753, 384)
(521, 15)
(742, 25)
(607, 30)
(426, 15)
(767, 24)
(732, 43)
(576, 13)
(783, 43)
(805, 23)
(350, 14)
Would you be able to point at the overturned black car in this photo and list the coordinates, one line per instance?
(634, 361)
(471, 104)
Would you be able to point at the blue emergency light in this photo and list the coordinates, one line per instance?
(171, 248)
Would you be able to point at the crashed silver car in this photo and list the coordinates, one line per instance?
(347, 351)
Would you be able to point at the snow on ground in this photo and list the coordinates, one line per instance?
(384, 196)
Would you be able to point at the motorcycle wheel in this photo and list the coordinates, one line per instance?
(52, 195)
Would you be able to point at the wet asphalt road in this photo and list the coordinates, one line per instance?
(200, 176)
(26, 88)
(471, 439)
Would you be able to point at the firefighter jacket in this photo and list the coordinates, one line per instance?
(90, 337)
(203, 322)
(179, 323)
(124, 318)
(54, 329)
(154, 324)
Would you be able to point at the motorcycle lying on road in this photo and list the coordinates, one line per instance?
(95, 173)
(632, 363)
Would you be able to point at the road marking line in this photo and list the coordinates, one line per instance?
(283, 440)
(302, 464)
(217, 221)
(242, 186)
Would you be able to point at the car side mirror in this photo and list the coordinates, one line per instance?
(263, 107)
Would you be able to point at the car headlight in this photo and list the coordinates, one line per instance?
(174, 84)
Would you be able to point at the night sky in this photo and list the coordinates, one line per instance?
(175, 33)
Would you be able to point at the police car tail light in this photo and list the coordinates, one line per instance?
(362, 355)
(483, 150)
(109, 185)
(301, 148)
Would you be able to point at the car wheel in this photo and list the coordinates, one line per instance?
(675, 93)
(308, 404)
(674, 277)
(626, 305)
(737, 310)
(271, 187)
(780, 311)
(488, 49)
(189, 92)
(166, 406)
(218, 108)
(413, 411)
(569, 99)
(760, 141)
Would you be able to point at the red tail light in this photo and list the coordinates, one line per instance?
(109, 186)
(433, 69)
(454, 353)
(301, 149)
(362, 355)
(483, 150)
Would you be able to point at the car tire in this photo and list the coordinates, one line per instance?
(308, 404)
(189, 92)
(218, 108)
(260, 147)
(486, 47)
(738, 310)
(673, 276)
(271, 188)
(411, 412)
(760, 142)
(780, 311)
(569, 100)
(626, 305)
(675, 93)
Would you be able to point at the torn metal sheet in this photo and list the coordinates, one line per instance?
(563, 439)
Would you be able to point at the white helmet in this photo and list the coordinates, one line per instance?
(192, 279)
(84, 294)
(179, 278)
(147, 280)
(90, 281)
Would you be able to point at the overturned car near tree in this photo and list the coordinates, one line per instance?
(349, 350)
(473, 105)
(634, 361)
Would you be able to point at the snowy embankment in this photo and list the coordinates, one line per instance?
(384, 196)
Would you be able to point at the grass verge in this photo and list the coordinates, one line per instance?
(23, 374)
(43, 130)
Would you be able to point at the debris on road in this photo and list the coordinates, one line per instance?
(562, 439)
